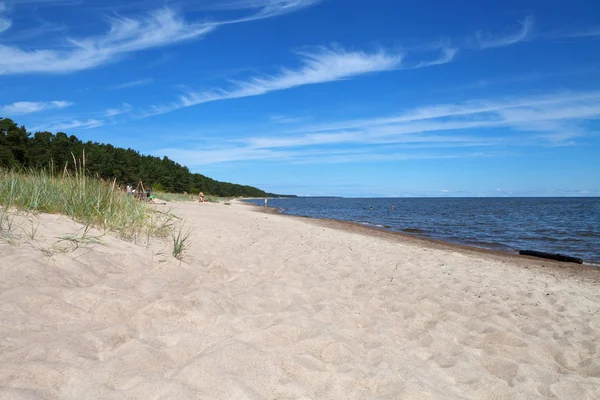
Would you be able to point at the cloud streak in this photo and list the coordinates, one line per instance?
(5, 23)
(588, 33)
(320, 65)
(130, 84)
(125, 35)
(28, 107)
(112, 112)
(265, 8)
(90, 123)
(159, 28)
(486, 40)
(489, 125)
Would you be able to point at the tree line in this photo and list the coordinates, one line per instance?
(45, 150)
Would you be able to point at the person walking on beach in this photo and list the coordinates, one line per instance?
(265, 201)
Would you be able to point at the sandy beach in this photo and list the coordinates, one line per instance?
(266, 306)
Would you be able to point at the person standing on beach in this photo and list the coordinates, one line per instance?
(148, 193)
(265, 201)
(128, 189)
(201, 197)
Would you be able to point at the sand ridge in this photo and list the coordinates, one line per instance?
(270, 307)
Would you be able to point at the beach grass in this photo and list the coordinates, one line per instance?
(188, 197)
(175, 196)
(87, 200)
(181, 241)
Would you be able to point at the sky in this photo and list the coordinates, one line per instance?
(322, 97)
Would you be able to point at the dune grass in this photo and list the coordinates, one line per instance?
(181, 242)
(175, 196)
(187, 197)
(87, 200)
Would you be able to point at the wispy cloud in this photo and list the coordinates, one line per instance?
(446, 56)
(586, 33)
(4, 22)
(111, 112)
(74, 124)
(130, 84)
(486, 40)
(529, 77)
(283, 119)
(27, 107)
(264, 8)
(320, 65)
(490, 124)
(317, 66)
(125, 35)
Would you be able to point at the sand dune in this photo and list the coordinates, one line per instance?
(273, 307)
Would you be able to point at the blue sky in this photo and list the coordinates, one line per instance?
(322, 97)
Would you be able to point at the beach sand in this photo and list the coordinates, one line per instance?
(266, 306)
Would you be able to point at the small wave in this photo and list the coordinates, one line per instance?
(589, 234)
(549, 239)
(375, 225)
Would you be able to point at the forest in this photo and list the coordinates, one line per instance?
(20, 149)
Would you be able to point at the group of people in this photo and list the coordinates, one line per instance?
(139, 194)
(147, 195)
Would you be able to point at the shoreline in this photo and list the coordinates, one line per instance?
(589, 270)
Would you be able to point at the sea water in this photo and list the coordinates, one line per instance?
(568, 226)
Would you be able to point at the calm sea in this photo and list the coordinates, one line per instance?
(568, 226)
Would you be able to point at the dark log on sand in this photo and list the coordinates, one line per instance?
(557, 257)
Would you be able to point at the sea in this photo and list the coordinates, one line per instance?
(569, 226)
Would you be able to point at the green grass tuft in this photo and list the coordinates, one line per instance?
(180, 242)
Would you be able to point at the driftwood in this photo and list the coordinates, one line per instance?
(557, 257)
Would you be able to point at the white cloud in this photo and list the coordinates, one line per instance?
(478, 107)
(27, 107)
(264, 8)
(486, 40)
(588, 33)
(224, 155)
(317, 66)
(130, 84)
(322, 65)
(553, 119)
(90, 123)
(111, 112)
(159, 28)
(125, 35)
(283, 119)
(447, 56)
(4, 22)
